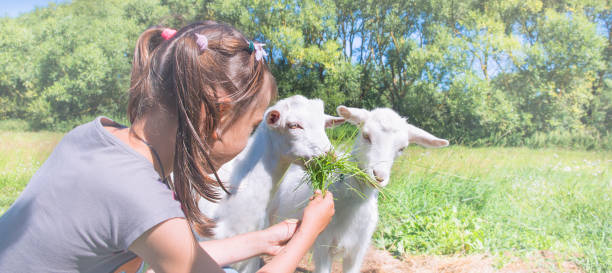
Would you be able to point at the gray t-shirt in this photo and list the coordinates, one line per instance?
(84, 207)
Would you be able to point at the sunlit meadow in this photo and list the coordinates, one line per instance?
(500, 200)
(21, 154)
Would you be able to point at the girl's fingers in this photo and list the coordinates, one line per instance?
(316, 193)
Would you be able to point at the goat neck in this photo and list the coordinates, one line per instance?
(261, 159)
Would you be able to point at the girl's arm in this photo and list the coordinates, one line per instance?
(171, 247)
(177, 246)
(269, 241)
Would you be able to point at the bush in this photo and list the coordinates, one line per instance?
(14, 125)
(589, 140)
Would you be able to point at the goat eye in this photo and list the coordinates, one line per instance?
(367, 138)
(402, 149)
(294, 126)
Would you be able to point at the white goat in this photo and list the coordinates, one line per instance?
(383, 136)
(292, 130)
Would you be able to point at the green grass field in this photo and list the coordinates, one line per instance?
(455, 200)
(21, 154)
(498, 200)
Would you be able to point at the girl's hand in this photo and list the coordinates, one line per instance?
(278, 235)
(316, 216)
(318, 213)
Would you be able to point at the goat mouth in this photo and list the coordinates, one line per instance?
(375, 178)
(305, 159)
(301, 162)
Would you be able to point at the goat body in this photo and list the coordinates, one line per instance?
(292, 130)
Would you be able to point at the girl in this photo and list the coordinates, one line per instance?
(102, 198)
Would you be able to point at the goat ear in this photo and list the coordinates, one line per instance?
(353, 115)
(331, 121)
(273, 118)
(423, 138)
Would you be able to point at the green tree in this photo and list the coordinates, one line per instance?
(478, 72)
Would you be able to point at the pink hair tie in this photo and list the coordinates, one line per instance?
(260, 53)
(202, 42)
(168, 33)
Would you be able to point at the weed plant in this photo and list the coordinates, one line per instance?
(324, 170)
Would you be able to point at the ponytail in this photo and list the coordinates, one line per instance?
(140, 91)
(191, 180)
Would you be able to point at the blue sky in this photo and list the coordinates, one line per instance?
(13, 8)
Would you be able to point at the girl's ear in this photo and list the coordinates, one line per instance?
(224, 105)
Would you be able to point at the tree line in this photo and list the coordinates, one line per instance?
(498, 72)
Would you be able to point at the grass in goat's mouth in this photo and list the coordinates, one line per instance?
(322, 171)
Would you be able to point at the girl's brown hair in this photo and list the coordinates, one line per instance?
(178, 76)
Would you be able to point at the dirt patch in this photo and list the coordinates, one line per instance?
(380, 261)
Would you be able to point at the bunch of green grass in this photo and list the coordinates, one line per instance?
(323, 171)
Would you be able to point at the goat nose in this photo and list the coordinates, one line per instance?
(378, 177)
